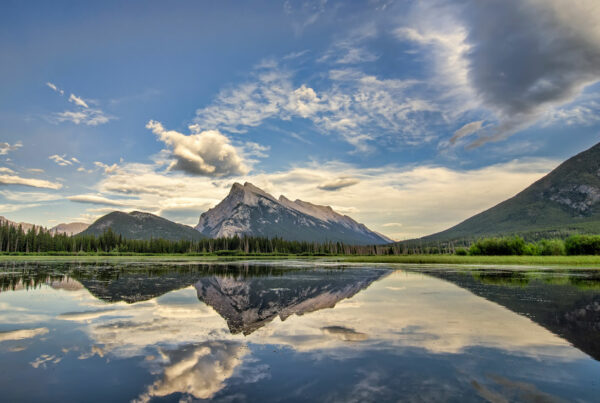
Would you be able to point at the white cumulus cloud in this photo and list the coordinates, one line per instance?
(206, 153)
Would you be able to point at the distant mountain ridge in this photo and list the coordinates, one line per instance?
(63, 228)
(72, 228)
(566, 200)
(26, 226)
(140, 225)
(249, 210)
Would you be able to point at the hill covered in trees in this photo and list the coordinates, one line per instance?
(139, 225)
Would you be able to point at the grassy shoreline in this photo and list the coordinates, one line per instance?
(580, 261)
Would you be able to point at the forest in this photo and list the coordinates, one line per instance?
(14, 240)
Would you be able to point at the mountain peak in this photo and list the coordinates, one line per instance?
(248, 187)
(249, 210)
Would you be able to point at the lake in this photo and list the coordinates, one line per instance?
(296, 331)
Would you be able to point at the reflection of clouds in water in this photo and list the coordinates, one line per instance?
(86, 315)
(395, 288)
(370, 388)
(450, 320)
(96, 350)
(19, 307)
(344, 333)
(347, 303)
(447, 321)
(431, 314)
(155, 322)
(23, 334)
(199, 370)
(44, 359)
(512, 391)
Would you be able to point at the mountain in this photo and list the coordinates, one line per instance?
(72, 228)
(248, 210)
(139, 225)
(565, 201)
(26, 226)
(69, 229)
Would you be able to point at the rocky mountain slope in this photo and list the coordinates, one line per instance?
(26, 226)
(139, 225)
(248, 210)
(72, 228)
(567, 200)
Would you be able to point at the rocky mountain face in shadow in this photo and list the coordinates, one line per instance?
(250, 303)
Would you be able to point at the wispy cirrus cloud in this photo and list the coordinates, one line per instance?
(585, 113)
(55, 88)
(357, 107)
(37, 183)
(352, 48)
(60, 160)
(104, 201)
(84, 114)
(29, 196)
(78, 101)
(88, 117)
(466, 130)
(303, 14)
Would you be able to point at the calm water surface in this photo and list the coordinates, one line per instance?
(292, 332)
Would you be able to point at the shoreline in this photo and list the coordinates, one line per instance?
(579, 261)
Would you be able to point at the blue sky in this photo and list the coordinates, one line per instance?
(409, 116)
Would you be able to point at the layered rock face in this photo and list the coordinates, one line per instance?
(248, 210)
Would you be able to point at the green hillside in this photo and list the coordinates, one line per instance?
(565, 201)
(139, 225)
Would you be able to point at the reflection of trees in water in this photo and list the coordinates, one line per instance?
(581, 279)
(16, 276)
(28, 279)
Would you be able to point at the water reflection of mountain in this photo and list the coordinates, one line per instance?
(248, 304)
(567, 304)
(247, 297)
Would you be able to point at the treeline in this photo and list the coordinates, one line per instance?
(573, 245)
(38, 240)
